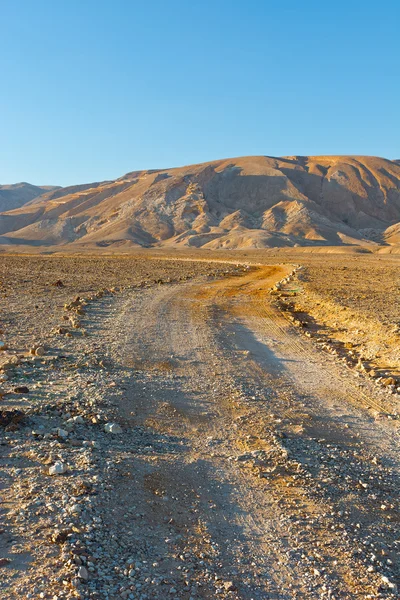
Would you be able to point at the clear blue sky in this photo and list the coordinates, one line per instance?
(91, 89)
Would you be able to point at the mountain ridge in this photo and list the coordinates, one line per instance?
(255, 201)
(15, 195)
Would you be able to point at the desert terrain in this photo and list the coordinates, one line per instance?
(234, 203)
(199, 424)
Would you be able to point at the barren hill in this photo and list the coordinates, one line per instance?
(18, 194)
(235, 203)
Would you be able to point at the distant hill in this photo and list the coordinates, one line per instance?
(257, 201)
(18, 194)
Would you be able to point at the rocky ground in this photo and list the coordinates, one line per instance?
(168, 430)
(354, 302)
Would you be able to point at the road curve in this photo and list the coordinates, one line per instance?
(265, 475)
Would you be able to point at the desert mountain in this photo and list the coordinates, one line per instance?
(18, 194)
(245, 202)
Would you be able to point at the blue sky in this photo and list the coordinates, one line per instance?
(92, 89)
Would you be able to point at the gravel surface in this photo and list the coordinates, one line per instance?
(185, 440)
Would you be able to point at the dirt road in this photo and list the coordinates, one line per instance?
(251, 465)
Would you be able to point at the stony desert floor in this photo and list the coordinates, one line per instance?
(200, 425)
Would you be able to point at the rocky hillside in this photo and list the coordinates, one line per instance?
(18, 194)
(236, 203)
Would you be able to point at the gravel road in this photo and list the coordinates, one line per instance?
(245, 464)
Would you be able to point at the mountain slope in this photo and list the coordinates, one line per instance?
(236, 203)
(18, 194)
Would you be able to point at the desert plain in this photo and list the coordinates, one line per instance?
(200, 424)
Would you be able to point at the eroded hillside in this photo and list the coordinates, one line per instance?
(235, 203)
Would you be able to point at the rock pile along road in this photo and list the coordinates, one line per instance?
(205, 449)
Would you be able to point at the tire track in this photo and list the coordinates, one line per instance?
(219, 371)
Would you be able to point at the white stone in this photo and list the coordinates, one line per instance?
(58, 468)
(112, 428)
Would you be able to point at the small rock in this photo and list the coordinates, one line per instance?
(58, 468)
(61, 330)
(317, 573)
(59, 536)
(229, 586)
(78, 419)
(21, 389)
(83, 573)
(4, 562)
(112, 428)
(389, 584)
(62, 433)
(10, 417)
(8, 362)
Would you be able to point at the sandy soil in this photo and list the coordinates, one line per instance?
(251, 462)
(355, 302)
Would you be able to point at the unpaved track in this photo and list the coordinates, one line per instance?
(220, 373)
(251, 465)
